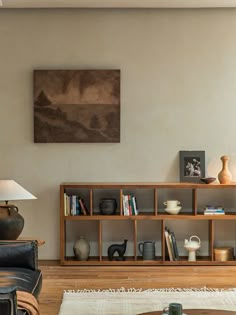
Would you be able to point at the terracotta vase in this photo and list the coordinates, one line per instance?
(225, 177)
(81, 248)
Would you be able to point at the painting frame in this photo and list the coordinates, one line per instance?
(192, 166)
(76, 105)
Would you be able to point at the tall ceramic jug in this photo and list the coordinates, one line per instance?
(147, 250)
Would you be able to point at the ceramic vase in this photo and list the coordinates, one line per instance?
(81, 248)
(225, 177)
(11, 222)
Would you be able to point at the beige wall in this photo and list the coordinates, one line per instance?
(178, 92)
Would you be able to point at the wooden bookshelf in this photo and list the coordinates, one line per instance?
(153, 212)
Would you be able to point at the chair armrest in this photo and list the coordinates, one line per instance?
(8, 303)
(21, 254)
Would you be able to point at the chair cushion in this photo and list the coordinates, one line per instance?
(21, 254)
(24, 279)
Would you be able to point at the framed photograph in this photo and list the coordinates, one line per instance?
(192, 166)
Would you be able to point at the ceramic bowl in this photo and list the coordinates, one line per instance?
(208, 180)
(173, 210)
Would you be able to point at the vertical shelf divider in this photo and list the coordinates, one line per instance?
(163, 240)
(155, 201)
(121, 200)
(62, 225)
(135, 240)
(91, 201)
(100, 239)
(211, 226)
(194, 201)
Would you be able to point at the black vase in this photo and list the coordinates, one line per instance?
(108, 206)
(11, 223)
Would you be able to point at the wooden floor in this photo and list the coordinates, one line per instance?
(57, 278)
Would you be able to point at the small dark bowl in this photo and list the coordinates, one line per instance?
(108, 206)
(208, 180)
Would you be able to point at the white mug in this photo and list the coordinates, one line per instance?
(171, 204)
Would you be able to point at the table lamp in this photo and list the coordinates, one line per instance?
(11, 222)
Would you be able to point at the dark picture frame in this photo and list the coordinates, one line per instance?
(192, 166)
(77, 106)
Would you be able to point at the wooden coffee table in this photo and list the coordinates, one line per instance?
(196, 312)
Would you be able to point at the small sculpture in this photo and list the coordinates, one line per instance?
(119, 248)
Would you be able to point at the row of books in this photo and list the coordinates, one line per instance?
(129, 205)
(74, 205)
(171, 245)
(214, 210)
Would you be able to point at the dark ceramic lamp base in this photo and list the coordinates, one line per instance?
(11, 222)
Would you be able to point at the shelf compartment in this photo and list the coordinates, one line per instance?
(184, 230)
(88, 229)
(145, 199)
(149, 231)
(185, 199)
(115, 232)
(224, 235)
(100, 193)
(216, 197)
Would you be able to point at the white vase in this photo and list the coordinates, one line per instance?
(81, 248)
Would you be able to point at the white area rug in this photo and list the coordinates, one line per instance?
(133, 301)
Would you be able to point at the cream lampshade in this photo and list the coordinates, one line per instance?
(11, 222)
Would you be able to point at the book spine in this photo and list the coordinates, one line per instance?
(129, 204)
(83, 210)
(77, 206)
(65, 205)
(168, 245)
(73, 205)
(126, 205)
(135, 205)
(174, 242)
(171, 247)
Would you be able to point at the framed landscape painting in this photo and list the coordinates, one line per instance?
(72, 106)
(192, 166)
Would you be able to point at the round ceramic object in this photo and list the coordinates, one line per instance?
(11, 222)
(108, 206)
(81, 248)
(173, 210)
(208, 180)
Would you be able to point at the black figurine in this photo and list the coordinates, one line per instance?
(119, 248)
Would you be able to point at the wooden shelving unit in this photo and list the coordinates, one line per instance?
(90, 193)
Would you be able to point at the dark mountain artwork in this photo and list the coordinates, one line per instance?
(72, 106)
(42, 100)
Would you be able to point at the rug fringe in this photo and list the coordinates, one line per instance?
(135, 290)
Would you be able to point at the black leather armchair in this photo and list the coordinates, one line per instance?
(18, 272)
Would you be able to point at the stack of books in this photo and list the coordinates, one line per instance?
(129, 205)
(214, 210)
(171, 245)
(74, 205)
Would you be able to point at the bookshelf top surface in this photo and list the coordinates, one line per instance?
(146, 185)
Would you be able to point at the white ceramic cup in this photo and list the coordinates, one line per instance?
(171, 204)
